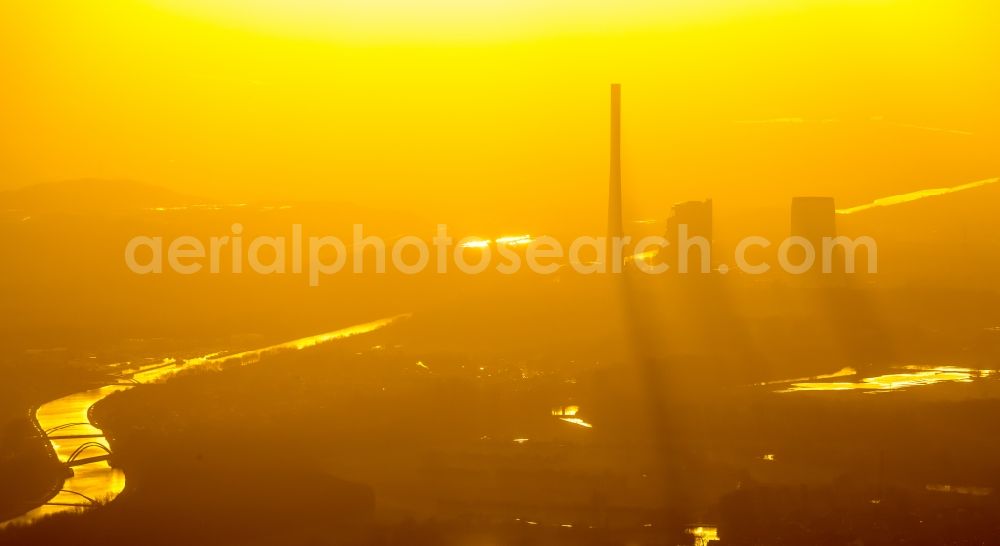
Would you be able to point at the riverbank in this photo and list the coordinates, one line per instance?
(29, 470)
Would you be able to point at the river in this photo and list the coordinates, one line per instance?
(73, 437)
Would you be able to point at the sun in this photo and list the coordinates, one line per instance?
(367, 19)
(467, 19)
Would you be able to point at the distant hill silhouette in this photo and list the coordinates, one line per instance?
(91, 194)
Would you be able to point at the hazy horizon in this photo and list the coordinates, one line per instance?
(497, 273)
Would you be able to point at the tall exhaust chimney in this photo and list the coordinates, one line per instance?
(615, 228)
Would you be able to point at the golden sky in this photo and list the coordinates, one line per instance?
(450, 104)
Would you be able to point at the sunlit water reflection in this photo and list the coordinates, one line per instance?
(703, 535)
(75, 438)
(908, 377)
(976, 491)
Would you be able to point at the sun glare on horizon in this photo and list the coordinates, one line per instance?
(433, 20)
